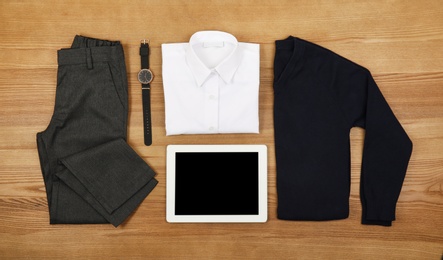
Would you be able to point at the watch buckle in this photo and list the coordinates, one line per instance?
(144, 41)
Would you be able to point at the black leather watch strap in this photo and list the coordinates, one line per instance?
(145, 77)
(146, 93)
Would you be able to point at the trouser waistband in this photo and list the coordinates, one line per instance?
(86, 50)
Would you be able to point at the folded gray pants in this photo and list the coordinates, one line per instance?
(91, 174)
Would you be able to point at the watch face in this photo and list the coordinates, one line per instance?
(145, 76)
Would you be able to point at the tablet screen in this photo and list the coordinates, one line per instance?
(216, 183)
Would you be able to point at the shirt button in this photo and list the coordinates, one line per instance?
(211, 97)
(211, 128)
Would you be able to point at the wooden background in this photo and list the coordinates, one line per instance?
(400, 42)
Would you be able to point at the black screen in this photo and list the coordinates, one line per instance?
(216, 183)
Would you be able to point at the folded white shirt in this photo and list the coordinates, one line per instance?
(211, 85)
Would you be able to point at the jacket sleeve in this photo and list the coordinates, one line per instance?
(387, 147)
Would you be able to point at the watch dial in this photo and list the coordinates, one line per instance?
(145, 76)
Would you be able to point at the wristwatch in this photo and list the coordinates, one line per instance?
(145, 77)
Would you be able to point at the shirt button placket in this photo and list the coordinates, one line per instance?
(211, 113)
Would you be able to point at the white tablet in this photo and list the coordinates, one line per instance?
(216, 183)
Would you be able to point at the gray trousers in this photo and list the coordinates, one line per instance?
(91, 174)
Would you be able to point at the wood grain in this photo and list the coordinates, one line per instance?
(400, 42)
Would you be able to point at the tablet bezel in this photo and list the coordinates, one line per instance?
(262, 215)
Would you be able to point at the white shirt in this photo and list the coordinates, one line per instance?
(211, 85)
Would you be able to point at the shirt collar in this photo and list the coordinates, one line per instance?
(226, 68)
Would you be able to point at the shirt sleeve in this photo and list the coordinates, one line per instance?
(387, 147)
